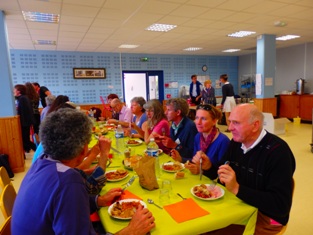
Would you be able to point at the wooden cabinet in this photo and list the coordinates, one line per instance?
(266, 105)
(291, 106)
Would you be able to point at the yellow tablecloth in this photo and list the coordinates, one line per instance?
(223, 212)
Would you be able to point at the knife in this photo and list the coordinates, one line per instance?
(200, 168)
(115, 150)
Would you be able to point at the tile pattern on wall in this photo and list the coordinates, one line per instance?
(55, 71)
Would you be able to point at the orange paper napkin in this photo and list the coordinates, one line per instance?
(185, 210)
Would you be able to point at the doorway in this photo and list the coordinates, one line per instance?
(148, 84)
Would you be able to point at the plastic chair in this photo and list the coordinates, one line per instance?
(4, 178)
(7, 200)
(6, 227)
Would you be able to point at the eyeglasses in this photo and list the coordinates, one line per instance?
(206, 107)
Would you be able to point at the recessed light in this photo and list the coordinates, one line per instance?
(287, 37)
(241, 34)
(128, 46)
(231, 50)
(280, 24)
(161, 27)
(193, 49)
(41, 17)
(44, 42)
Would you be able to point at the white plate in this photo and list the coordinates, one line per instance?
(217, 191)
(119, 179)
(139, 142)
(171, 164)
(125, 200)
(160, 151)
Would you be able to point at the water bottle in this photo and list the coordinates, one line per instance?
(119, 138)
(152, 150)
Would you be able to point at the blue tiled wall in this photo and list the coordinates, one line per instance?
(55, 71)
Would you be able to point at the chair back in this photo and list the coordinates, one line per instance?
(4, 178)
(7, 200)
(6, 227)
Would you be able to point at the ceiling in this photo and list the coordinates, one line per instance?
(103, 25)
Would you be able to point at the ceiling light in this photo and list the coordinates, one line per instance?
(287, 37)
(161, 27)
(280, 24)
(128, 46)
(231, 50)
(41, 17)
(241, 34)
(45, 42)
(193, 49)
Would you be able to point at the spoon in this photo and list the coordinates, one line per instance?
(181, 196)
(150, 201)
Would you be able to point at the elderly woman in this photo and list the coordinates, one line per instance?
(208, 93)
(157, 123)
(209, 142)
(64, 208)
(49, 100)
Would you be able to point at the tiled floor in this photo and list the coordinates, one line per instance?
(299, 138)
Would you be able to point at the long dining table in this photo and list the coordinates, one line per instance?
(221, 212)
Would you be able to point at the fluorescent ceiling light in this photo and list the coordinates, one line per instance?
(161, 27)
(287, 37)
(231, 50)
(45, 42)
(193, 49)
(128, 46)
(241, 34)
(41, 17)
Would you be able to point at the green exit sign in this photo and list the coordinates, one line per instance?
(144, 59)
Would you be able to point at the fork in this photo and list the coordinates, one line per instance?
(212, 186)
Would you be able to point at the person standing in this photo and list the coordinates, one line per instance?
(208, 93)
(195, 90)
(34, 99)
(183, 130)
(260, 170)
(228, 101)
(25, 110)
(43, 93)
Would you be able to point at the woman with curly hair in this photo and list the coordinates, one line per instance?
(157, 123)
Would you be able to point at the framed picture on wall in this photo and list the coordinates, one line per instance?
(89, 73)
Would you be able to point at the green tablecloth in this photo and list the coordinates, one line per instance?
(222, 212)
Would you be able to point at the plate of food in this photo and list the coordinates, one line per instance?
(130, 162)
(207, 192)
(160, 151)
(100, 132)
(133, 142)
(116, 175)
(173, 167)
(125, 209)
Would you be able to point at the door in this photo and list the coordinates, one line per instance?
(148, 84)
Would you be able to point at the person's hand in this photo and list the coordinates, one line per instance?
(104, 146)
(175, 155)
(168, 142)
(106, 199)
(227, 176)
(193, 168)
(113, 121)
(142, 222)
(206, 162)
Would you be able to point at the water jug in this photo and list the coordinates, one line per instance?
(300, 86)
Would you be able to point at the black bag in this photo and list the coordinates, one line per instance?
(4, 161)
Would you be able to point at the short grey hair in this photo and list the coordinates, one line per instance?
(179, 104)
(115, 102)
(64, 133)
(49, 99)
(139, 100)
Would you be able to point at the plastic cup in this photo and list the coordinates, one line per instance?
(164, 196)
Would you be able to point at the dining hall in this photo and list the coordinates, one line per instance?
(87, 50)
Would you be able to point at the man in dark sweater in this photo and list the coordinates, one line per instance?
(260, 169)
(183, 130)
(43, 93)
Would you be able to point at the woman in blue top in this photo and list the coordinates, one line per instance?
(209, 141)
(139, 116)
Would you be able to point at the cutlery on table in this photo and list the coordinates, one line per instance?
(213, 184)
(150, 201)
(200, 168)
(181, 196)
(115, 150)
(129, 183)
